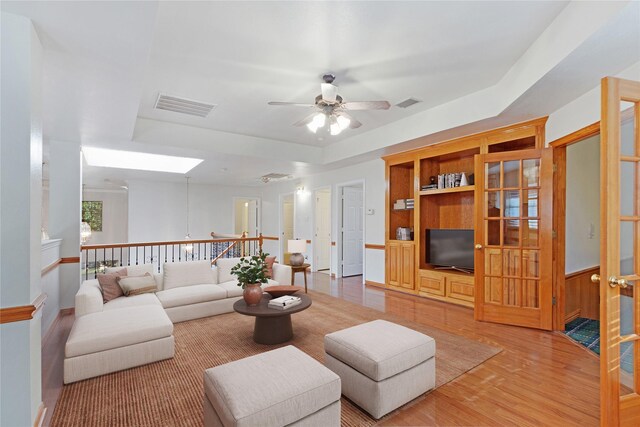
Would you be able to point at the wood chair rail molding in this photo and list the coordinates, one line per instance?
(373, 246)
(70, 260)
(50, 267)
(22, 312)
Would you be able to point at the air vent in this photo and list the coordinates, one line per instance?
(274, 177)
(183, 105)
(408, 103)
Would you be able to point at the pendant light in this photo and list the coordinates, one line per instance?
(85, 228)
(188, 248)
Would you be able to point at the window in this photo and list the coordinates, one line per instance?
(92, 213)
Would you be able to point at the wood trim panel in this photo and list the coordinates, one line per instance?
(372, 283)
(457, 144)
(270, 238)
(559, 242)
(373, 246)
(42, 410)
(50, 267)
(580, 134)
(70, 260)
(22, 312)
(582, 297)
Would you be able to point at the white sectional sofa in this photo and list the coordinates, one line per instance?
(136, 330)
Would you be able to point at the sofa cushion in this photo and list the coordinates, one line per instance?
(177, 274)
(132, 301)
(109, 284)
(285, 386)
(133, 270)
(269, 265)
(136, 285)
(111, 329)
(232, 288)
(193, 294)
(224, 269)
(380, 349)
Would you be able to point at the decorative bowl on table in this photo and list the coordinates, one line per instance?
(279, 291)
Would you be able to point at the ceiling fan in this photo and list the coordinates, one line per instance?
(332, 109)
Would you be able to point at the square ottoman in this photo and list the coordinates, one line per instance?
(382, 365)
(276, 388)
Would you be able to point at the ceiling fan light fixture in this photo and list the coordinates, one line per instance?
(319, 120)
(343, 122)
(312, 126)
(335, 129)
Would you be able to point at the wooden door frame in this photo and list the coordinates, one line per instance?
(559, 147)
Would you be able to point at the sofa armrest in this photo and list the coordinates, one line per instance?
(282, 273)
(88, 298)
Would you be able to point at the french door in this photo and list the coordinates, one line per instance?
(619, 277)
(513, 221)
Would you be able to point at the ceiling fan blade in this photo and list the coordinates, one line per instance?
(366, 105)
(353, 123)
(293, 104)
(329, 92)
(306, 120)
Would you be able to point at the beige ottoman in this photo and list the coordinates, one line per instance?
(113, 340)
(382, 365)
(277, 388)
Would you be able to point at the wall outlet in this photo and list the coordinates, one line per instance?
(592, 231)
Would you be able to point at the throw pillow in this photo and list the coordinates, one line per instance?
(136, 285)
(109, 284)
(269, 266)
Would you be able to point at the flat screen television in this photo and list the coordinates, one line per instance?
(450, 249)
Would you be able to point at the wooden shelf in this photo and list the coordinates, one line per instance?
(448, 190)
(403, 209)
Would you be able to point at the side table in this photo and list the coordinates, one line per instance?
(297, 268)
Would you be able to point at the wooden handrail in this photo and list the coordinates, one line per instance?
(223, 253)
(173, 242)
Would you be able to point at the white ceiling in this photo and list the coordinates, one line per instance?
(482, 62)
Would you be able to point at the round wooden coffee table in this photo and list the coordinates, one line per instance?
(272, 326)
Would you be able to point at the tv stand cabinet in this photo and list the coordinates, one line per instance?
(444, 208)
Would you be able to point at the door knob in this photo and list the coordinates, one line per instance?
(614, 281)
(595, 278)
(478, 246)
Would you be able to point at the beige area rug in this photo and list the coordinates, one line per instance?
(169, 393)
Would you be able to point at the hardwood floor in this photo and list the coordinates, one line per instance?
(540, 378)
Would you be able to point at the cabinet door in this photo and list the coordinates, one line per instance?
(432, 282)
(393, 264)
(407, 260)
(461, 287)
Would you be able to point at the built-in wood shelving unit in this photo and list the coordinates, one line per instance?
(447, 190)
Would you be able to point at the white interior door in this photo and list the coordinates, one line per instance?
(322, 247)
(352, 231)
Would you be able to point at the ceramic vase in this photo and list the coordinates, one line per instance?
(252, 294)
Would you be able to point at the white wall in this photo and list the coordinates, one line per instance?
(371, 173)
(157, 210)
(20, 212)
(115, 215)
(583, 205)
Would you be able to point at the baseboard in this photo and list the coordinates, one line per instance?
(42, 410)
(376, 284)
(572, 316)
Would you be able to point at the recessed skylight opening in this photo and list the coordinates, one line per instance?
(106, 158)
